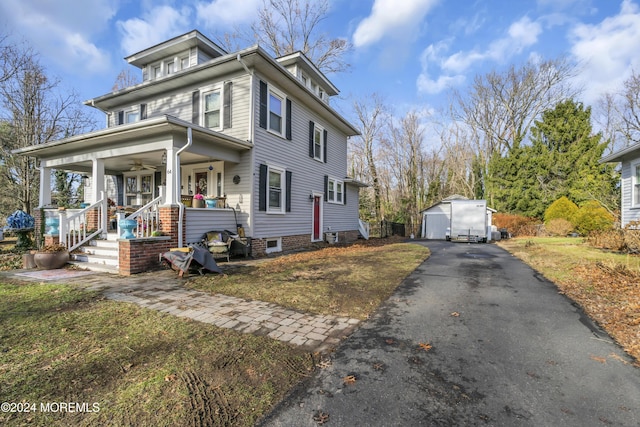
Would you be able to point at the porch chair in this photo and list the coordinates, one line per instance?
(218, 243)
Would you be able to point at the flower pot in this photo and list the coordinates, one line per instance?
(50, 260)
(127, 226)
(53, 223)
(211, 203)
(198, 203)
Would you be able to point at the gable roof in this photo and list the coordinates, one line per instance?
(631, 152)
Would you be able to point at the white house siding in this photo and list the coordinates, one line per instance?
(628, 213)
(307, 174)
(199, 221)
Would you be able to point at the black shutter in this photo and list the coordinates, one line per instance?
(311, 129)
(143, 111)
(226, 123)
(287, 202)
(120, 117)
(262, 189)
(326, 188)
(288, 115)
(195, 107)
(263, 105)
(326, 142)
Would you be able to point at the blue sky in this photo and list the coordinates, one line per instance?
(408, 51)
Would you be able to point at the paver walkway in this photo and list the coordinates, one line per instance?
(165, 292)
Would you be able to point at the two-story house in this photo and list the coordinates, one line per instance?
(253, 132)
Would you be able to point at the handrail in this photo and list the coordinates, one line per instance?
(74, 229)
(363, 227)
(148, 218)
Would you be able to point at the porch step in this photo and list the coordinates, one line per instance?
(98, 255)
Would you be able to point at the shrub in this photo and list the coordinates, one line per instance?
(559, 227)
(592, 217)
(517, 225)
(561, 208)
(613, 240)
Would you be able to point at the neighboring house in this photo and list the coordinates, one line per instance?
(256, 133)
(436, 219)
(629, 182)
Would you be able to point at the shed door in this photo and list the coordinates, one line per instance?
(436, 224)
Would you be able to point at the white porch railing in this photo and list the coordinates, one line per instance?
(363, 228)
(74, 230)
(147, 218)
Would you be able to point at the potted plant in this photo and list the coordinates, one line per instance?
(51, 256)
(211, 201)
(198, 201)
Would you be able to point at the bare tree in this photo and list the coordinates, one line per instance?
(35, 112)
(372, 118)
(125, 79)
(288, 26)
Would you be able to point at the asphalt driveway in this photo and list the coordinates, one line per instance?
(472, 337)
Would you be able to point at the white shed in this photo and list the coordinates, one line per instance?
(436, 219)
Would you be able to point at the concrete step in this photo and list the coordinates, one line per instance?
(96, 259)
(99, 250)
(103, 268)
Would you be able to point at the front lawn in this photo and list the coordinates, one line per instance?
(136, 366)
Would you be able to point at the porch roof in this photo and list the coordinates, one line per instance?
(121, 141)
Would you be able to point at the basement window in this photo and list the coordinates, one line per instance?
(273, 245)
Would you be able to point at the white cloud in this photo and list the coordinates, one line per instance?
(391, 17)
(53, 28)
(156, 25)
(520, 35)
(608, 51)
(225, 13)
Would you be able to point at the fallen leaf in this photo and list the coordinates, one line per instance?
(425, 346)
(171, 377)
(320, 417)
(349, 379)
(390, 341)
(599, 359)
(455, 314)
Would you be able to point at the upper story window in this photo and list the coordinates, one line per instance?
(318, 143)
(156, 71)
(211, 109)
(184, 62)
(132, 116)
(170, 67)
(276, 112)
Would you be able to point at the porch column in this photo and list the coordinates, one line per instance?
(97, 176)
(45, 187)
(172, 193)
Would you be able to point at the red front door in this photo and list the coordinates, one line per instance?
(316, 217)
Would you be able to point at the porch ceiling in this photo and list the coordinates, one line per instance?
(144, 142)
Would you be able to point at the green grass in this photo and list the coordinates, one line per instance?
(59, 343)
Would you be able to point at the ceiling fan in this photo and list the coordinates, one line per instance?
(138, 165)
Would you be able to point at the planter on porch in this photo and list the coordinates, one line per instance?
(211, 203)
(198, 203)
(127, 226)
(53, 223)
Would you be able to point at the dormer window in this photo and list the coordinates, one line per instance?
(184, 63)
(156, 71)
(132, 116)
(170, 67)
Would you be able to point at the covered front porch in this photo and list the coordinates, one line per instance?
(148, 173)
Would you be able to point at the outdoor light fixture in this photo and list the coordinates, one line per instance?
(164, 158)
(86, 180)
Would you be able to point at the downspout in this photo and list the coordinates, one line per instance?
(250, 136)
(177, 183)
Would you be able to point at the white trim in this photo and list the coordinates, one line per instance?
(635, 185)
(318, 129)
(335, 183)
(277, 248)
(283, 111)
(283, 189)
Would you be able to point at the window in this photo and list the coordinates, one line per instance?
(156, 72)
(184, 62)
(273, 245)
(275, 112)
(170, 66)
(275, 190)
(212, 109)
(636, 185)
(318, 143)
(132, 116)
(335, 191)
